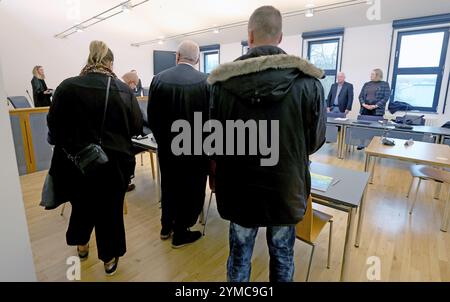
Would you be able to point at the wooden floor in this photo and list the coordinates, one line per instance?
(411, 248)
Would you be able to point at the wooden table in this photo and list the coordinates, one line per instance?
(419, 153)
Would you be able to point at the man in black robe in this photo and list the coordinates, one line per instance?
(177, 94)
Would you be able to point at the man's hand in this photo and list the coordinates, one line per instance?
(328, 110)
(347, 112)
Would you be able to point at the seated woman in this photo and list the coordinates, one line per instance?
(375, 95)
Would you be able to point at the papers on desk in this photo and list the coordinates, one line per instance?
(320, 182)
(341, 119)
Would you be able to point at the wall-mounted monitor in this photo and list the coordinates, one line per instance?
(163, 60)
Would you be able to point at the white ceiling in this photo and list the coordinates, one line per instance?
(158, 18)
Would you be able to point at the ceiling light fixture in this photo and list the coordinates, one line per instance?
(309, 11)
(123, 7)
(216, 31)
(315, 9)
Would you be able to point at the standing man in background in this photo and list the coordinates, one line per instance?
(176, 94)
(340, 98)
(268, 85)
(138, 90)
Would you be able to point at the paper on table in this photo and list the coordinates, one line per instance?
(320, 182)
(341, 119)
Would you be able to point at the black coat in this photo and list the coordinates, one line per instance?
(176, 94)
(40, 99)
(345, 97)
(75, 119)
(267, 84)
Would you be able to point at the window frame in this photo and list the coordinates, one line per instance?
(206, 54)
(439, 71)
(328, 72)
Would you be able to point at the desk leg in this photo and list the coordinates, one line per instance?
(158, 179)
(343, 144)
(362, 209)
(444, 226)
(437, 192)
(348, 245)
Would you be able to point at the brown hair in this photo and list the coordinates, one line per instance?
(266, 23)
(100, 54)
(36, 73)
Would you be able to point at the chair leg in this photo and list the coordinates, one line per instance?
(330, 242)
(437, 193)
(310, 262)
(207, 213)
(152, 162)
(415, 197)
(142, 159)
(410, 188)
(63, 209)
(445, 218)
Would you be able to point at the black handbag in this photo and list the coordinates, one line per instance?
(91, 157)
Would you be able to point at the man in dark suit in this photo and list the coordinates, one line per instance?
(340, 98)
(180, 93)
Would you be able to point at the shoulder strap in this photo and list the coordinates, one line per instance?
(108, 87)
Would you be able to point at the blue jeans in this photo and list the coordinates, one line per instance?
(281, 242)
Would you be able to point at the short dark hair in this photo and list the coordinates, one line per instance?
(266, 23)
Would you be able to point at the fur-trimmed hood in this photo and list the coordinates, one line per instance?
(253, 65)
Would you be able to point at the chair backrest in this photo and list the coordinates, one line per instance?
(336, 115)
(304, 228)
(19, 102)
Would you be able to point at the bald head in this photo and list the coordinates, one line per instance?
(188, 52)
(265, 27)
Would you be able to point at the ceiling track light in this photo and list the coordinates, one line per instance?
(309, 11)
(123, 7)
(315, 9)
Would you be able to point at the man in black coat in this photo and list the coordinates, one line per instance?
(267, 85)
(177, 94)
(340, 98)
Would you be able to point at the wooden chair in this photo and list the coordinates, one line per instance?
(152, 161)
(309, 229)
(425, 173)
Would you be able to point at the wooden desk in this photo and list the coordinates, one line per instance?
(419, 153)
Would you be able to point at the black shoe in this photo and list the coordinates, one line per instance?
(83, 255)
(166, 233)
(131, 187)
(185, 238)
(111, 267)
(360, 148)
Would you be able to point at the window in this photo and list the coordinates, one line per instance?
(419, 68)
(210, 58)
(324, 54)
(245, 47)
(211, 61)
(324, 51)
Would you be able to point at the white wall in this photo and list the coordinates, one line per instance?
(16, 260)
(22, 48)
(365, 48)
